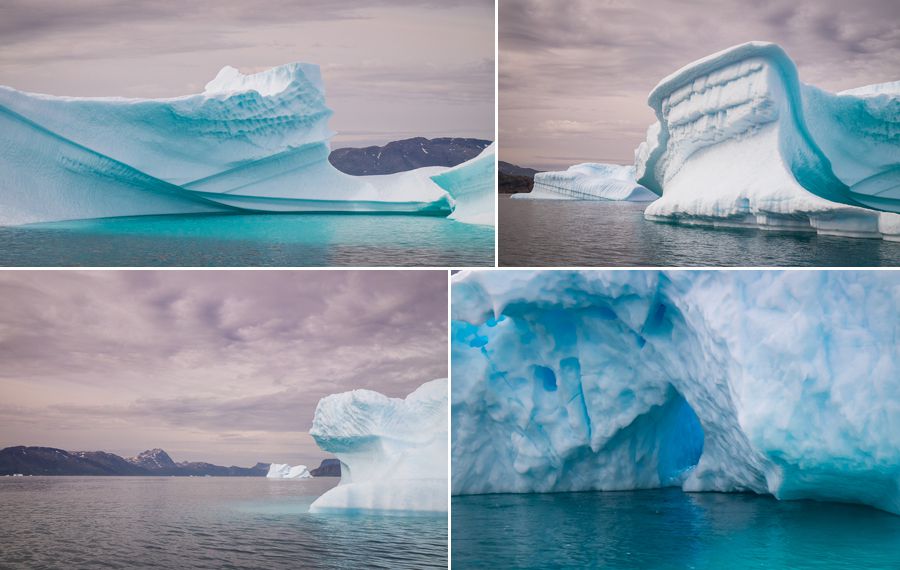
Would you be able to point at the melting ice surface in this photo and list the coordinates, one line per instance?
(781, 383)
(393, 451)
(256, 143)
(741, 141)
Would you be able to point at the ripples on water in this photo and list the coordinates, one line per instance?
(201, 522)
(669, 529)
(581, 233)
(250, 240)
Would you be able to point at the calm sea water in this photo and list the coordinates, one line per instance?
(669, 529)
(250, 240)
(574, 233)
(203, 522)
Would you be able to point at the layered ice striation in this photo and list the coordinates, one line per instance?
(588, 181)
(285, 471)
(740, 141)
(786, 383)
(393, 451)
(247, 143)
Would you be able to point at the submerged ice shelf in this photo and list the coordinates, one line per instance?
(393, 451)
(247, 143)
(784, 383)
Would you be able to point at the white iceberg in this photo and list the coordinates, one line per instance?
(740, 141)
(785, 383)
(471, 184)
(588, 181)
(393, 451)
(285, 471)
(247, 143)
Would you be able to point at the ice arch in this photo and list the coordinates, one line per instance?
(781, 383)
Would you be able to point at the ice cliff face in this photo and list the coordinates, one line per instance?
(393, 451)
(739, 140)
(247, 143)
(588, 181)
(285, 471)
(785, 383)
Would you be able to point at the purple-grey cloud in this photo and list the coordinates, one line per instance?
(589, 65)
(196, 360)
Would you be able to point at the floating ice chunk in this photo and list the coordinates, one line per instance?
(785, 383)
(589, 181)
(471, 184)
(393, 451)
(285, 471)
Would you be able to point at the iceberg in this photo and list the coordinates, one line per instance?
(393, 451)
(285, 471)
(471, 184)
(588, 181)
(740, 141)
(256, 143)
(774, 382)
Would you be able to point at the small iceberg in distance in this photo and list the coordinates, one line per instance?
(393, 451)
(285, 471)
(248, 143)
(588, 181)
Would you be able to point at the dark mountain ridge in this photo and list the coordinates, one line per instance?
(407, 154)
(52, 461)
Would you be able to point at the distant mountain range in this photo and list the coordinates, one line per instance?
(51, 461)
(512, 179)
(408, 154)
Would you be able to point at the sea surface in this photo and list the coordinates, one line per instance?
(247, 240)
(201, 522)
(601, 233)
(669, 529)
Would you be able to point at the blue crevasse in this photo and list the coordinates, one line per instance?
(785, 383)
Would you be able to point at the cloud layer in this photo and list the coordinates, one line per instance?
(219, 366)
(392, 68)
(574, 76)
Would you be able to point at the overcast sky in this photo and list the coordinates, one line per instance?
(392, 68)
(225, 367)
(575, 75)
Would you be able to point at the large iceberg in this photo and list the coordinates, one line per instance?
(588, 181)
(471, 184)
(393, 451)
(784, 383)
(247, 143)
(740, 141)
(285, 471)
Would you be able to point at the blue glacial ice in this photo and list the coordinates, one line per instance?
(471, 185)
(393, 451)
(781, 383)
(588, 181)
(285, 471)
(255, 142)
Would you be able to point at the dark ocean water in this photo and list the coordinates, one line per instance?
(545, 233)
(201, 522)
(250, 240)
(669, 529)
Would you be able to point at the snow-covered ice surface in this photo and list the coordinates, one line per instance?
(785, 383)
(393, 451)
(285, 471)
(588, 181)
(740, 141)
(247, 143)
(471, 184)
